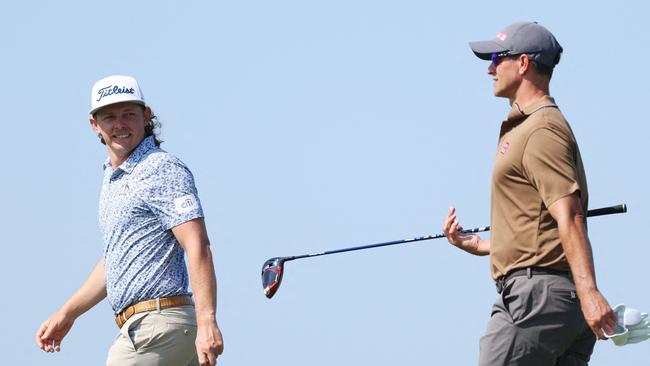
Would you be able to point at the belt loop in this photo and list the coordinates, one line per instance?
(158, 304)
(529, 273)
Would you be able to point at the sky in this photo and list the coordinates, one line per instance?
(309, 126)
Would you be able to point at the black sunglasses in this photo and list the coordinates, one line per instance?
(498, 57)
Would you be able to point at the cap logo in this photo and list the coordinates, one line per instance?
(502, 36)
(110, 90)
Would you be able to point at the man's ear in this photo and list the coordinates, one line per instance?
(93, 124)
(524, 63)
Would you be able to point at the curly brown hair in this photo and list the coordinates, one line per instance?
(153, 129)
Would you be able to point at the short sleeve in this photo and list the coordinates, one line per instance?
(549, 163)
(171, 194)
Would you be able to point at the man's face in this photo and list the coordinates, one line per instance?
(121, 126)
(505, 74)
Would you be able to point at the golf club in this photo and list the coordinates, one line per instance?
(273, 269)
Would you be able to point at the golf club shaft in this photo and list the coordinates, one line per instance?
(622, 208)
(595, 212)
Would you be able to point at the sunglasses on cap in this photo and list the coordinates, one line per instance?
(498, 57)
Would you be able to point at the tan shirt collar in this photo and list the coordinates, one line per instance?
(516, 115)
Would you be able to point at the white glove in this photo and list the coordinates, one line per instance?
(632, 326)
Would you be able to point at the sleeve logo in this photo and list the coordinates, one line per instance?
(185, 204)
(505, 147)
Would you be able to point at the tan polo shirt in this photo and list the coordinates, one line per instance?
(537, 162)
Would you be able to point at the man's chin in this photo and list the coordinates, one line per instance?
(122, 146)
(500, 93)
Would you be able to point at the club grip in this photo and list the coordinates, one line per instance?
(607, 210)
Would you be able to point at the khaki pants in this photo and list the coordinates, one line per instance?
(537, 321)
(159, 337)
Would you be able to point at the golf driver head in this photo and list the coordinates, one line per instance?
(272, 275)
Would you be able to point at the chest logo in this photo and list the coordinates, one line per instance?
(124, 190)
(505, 147)
(185, 204)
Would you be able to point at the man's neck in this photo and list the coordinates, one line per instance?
(116, 160)
(526, 100)
(529, 93)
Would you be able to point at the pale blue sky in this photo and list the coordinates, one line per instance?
(311, 125)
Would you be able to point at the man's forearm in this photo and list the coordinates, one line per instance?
(483, 247)
(475, 245)
(193, 237)
(91, 292)
(572, 227)
(575, 242)
(203, 282)
(571, 223)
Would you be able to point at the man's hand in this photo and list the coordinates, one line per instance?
(470, 243)
(92, 291)
(209, 343)
(598, 314)
(51, 332)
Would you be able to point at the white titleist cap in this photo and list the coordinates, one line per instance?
(115, 89)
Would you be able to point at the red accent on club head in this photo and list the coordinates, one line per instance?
(272, 265)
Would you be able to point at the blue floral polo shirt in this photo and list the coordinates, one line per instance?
(141, 201)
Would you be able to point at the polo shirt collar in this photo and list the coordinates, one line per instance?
(517, 115)
(136, 156)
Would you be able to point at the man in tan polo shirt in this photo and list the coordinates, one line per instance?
(550, 310)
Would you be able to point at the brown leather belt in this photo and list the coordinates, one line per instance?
(149, 305)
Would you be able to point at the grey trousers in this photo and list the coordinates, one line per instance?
(537, 321)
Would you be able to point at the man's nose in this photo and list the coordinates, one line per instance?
(120, 120)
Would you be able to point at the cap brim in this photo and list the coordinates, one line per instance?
(485, 49)
(134, 101)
